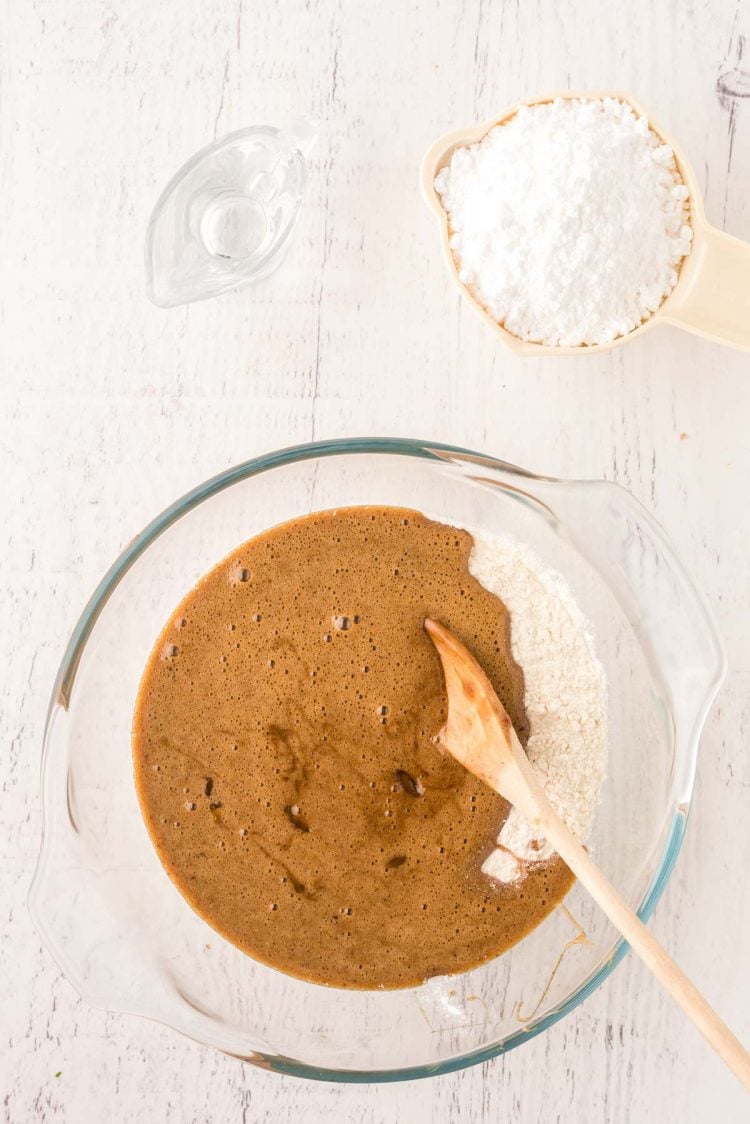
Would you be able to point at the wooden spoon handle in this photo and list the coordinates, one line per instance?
(642, 941)
(480, 735)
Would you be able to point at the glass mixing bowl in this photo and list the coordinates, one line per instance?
(128, 941)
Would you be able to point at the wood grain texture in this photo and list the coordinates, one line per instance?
(109, 408)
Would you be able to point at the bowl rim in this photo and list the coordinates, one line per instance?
(426, 450)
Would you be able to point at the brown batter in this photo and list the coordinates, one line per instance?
(285, 759)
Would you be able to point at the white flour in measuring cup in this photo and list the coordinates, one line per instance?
(569, 221)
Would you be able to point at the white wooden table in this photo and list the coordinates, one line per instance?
(110, 408)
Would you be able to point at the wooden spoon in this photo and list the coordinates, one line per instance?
(479, 734)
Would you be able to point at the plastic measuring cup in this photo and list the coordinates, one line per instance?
(227, 216)
(712, 294)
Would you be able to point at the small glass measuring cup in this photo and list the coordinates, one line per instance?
(227, 216)
(712, 294)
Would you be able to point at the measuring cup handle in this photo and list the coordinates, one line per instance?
(712, 298)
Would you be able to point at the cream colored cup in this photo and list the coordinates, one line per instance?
(712, 294)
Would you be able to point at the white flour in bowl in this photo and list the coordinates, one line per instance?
(569, 221)
(565, 695)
